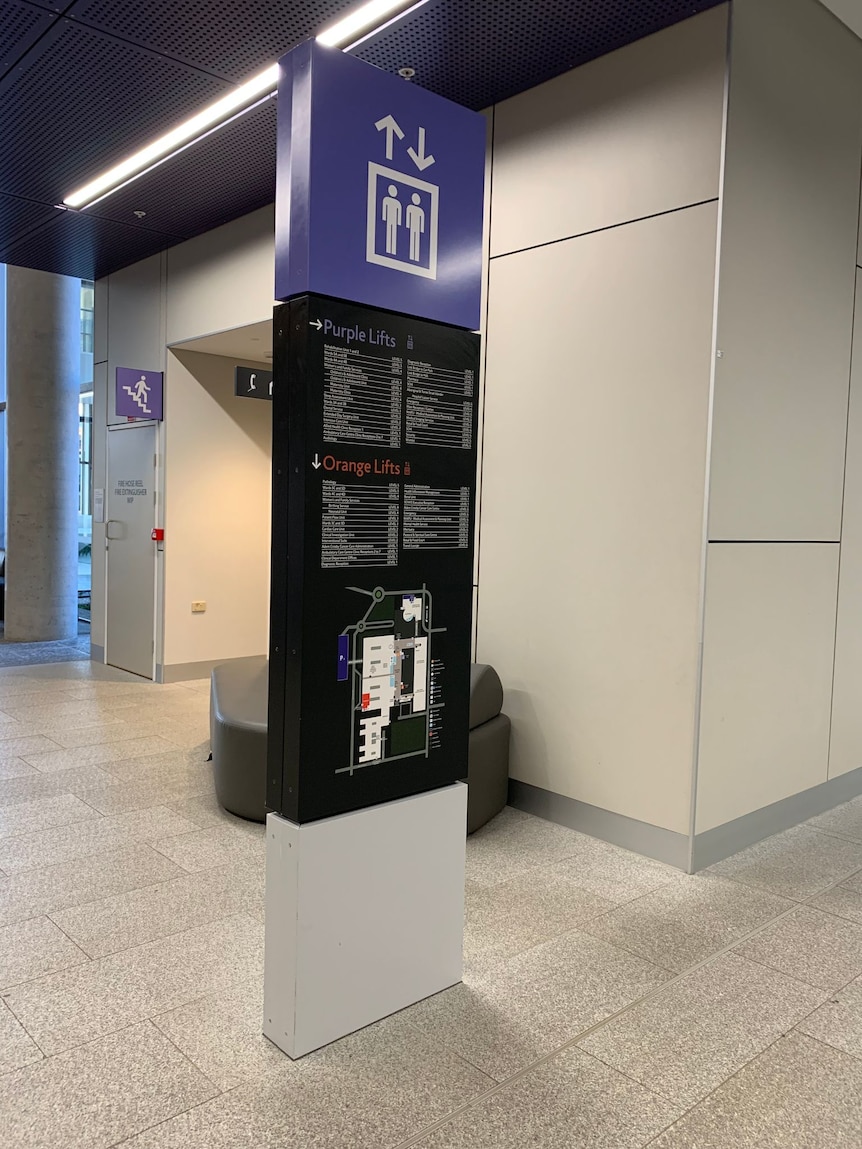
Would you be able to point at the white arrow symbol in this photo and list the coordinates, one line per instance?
(419, 158)
(315, 323)
(391, 128)
(316, 462)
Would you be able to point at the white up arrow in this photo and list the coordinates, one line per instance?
(419, 158)
(315, 462)
(389, 125)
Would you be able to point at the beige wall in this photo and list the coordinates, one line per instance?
(777, 484)
(846, 743)
(791, 211)
(596, 409)
(217, 514)
(219, 280)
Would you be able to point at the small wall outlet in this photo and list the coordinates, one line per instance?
(198, 607)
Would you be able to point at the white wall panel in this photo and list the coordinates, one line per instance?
(217, 513)
(789, 230)
(596, 406)
(767, 675)
(223, 278)
(631, 134)
(846, 744)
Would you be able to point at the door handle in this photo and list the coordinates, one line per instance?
(114, 529)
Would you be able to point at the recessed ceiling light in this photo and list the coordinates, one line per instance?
(406, 73)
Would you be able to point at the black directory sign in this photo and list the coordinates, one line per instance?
(251, 383)
(374, 472)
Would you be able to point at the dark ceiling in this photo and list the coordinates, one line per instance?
(84, 84)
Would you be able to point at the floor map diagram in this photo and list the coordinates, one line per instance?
(387, 657)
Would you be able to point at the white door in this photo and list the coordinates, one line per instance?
(130, 515)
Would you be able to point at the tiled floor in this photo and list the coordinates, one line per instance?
(609, 1002)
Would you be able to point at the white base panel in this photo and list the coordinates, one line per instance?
(364, 915)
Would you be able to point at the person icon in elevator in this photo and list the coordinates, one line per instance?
(415, 220)
(392, 219)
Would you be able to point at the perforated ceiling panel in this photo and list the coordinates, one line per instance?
(20, 216)
(233, 40)
(182, 197)
(478, 52)
(20, 26)
(85, 89)
(85, 245)
(84, 102)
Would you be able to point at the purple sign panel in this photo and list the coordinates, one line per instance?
(380, 192)
(139, 393)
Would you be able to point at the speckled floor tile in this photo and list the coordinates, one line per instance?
(82, 880)
(29, 787)
(66, 1009)
(371, 1090)
(687, 919)
(15, 768)
(797, 863)
(509, 1012)
(223, 1036)
(570, 1102)
(17, 1048)
(838, 1021)
(686, 1040)
(513, 916)
(854, 882)
(137, 916)
(214, 847)
(203, 807)
(43, 814)
(611, 872)
(53, 847)
(819, 948)
(514, 843)
(843, 901)
(845, 820)
(33, 948)
(798, 1094)
(114, 797)
(96, 1096)
(18, 745)
(105, 752)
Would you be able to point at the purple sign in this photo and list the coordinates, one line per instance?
(139, 393)
(380, 191)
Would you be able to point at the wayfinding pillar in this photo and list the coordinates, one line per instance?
(378, 264)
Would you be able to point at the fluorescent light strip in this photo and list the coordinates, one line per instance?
(223, 109)
(364, 19)
(347, 33)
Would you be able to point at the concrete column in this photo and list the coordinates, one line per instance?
(43, 365)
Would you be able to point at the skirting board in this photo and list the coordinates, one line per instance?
(97, 653)
(652, 841)
(721, 842)
(667, 846)
(186, 671)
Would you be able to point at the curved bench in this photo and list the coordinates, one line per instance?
(239, 693)
(238, 729)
